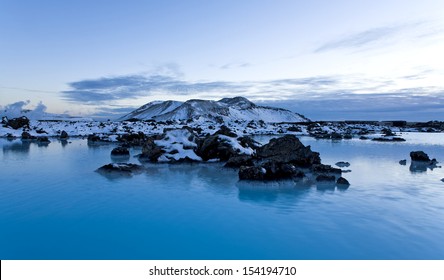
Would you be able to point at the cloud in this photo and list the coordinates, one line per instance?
(377, 36)
(321, 97)
(108, 89)
(234, 65)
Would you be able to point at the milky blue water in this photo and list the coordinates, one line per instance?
(54, 206)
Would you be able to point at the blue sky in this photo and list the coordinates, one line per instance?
(325, 59)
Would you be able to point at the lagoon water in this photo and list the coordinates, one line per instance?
(54, 206)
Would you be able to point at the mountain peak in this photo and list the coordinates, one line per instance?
(226, 109)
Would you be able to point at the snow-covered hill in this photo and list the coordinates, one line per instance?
(226, 109)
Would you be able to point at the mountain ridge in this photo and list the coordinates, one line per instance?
(225, 109)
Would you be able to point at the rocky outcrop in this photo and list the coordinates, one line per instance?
(150, 151)
(27, 136)
(17, 123)
(132, 139)
(219, 145)
(288, 149)
(64, 135)
(342, 164)
(419, 156)
(240, 160)
(120, 152)
(125, 169)
(285, 158)
(342, 181)
(421, 162)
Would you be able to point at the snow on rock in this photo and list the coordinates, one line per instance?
(178, 145)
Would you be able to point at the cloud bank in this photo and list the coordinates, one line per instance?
(320, 98)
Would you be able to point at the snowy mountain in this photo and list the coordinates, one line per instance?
(226, 109)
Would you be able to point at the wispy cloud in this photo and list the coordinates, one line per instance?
(378, 36)
(234, 65)
(108, 89)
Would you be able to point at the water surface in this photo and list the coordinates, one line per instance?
(54, 206)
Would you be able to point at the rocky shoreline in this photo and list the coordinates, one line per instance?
(283, 157)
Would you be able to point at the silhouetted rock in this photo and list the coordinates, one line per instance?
(252, 173)
(64, 135)
(419, 156)
(325, 178)
(342, 164)
(389, 139)
(27, 136)
(120, 151)
(342, 181)
(325, 169)
(239, 160)
(403, 162)
(17, 123)
(125, 169)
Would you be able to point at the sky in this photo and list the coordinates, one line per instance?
(328, 60)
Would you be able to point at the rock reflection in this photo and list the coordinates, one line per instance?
(20, 147)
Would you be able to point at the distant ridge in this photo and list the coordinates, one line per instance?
(226, 109)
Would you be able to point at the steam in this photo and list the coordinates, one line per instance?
(18, 109)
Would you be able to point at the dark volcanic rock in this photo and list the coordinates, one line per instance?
(27, 136)
(213, 147)
(126, 169)
(120, 151)
(389, 139)
(17, 123)
(224, 130)
(325, 169)
(342, 181)
(325, 178)
(64, 135)
(150, 151)
(252, 173)
(279, 170)
(239, 160)
(132, 139)
(419, 156)
(248, 142)
(288, 149)
(342, 164)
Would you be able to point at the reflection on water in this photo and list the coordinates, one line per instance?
(21, 147)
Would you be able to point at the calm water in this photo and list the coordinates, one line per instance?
(54, 206)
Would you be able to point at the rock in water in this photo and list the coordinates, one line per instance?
(342, 164)
(403, 162)
(252, 173)
(325, 178)
(120, 151)
(64, 135)
(239, 160)
(342, 181)
(288, 149)
(125, 169)
(419, 156)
